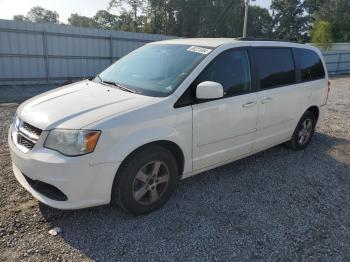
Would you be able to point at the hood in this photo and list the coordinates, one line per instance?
(78, 105)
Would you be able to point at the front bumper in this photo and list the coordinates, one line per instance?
(85, 185)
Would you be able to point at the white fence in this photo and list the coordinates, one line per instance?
(33, 53)
(338, 62)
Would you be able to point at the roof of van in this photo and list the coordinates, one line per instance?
(215, 42)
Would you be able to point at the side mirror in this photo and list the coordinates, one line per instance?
(209, 90)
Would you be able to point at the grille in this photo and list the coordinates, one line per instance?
(32, 129)
(25, 136)
(25, 142)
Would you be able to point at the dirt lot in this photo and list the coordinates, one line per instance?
(276, 205)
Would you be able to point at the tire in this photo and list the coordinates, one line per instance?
(145, 180)
(307, 124)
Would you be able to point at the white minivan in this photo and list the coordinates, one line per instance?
(164, 112)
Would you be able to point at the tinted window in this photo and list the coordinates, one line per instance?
(231, 69)
(275, 66)
(310, 64)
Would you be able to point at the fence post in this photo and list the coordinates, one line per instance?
(46, 57)
(338, 63)
(111, 48)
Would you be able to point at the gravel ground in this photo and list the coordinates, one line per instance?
(276, 205)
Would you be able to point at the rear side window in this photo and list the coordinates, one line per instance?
(275, 67)
(310, 64)
(231, 69)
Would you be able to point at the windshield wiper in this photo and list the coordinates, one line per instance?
(116, 85)
(120, 86)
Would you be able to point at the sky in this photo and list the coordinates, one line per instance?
(9, 8)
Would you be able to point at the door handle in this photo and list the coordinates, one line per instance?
(266, 100)
(249, 104)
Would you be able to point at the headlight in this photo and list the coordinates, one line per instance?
(72, 142)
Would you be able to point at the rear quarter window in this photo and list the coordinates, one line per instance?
(311, 67)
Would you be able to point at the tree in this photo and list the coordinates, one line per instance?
(104, 20)
(20, 18)
(206, 18)
(107, 20)
(135, 5)
(127, 23)
(82, 21)
(196, 18)
(39, 15)
(189, 18)
(227, 18)
(337, 12)
(259, 23)
(321, 34)
(289, 20)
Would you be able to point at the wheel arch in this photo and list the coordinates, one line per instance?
(174, 148)
(315, 110)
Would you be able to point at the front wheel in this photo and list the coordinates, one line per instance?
(303, 132)
(146, 180)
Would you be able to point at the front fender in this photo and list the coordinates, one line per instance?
(126, 144)
(134, 140)
(123, 134)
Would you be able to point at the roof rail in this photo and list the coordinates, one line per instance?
(264, 39)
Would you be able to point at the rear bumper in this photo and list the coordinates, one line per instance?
(84, 185)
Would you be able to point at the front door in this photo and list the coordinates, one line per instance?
(223, 129)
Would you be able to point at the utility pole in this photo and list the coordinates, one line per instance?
(246, 6)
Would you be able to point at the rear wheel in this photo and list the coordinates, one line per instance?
(146, 180)
(303, 132)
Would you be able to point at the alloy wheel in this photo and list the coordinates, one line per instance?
(305, 131)
(150, 182)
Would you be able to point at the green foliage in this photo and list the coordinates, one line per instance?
(293, 20)
(290, 21)
(106, 20)
(337, 12)
(39, 15)
(207, 18)
(321, 34)
(190, 18)
(136, 7)
(20, 18)
(259, 23)
(82, 21)
(127, 22)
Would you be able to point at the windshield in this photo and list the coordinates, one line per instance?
(154, 69)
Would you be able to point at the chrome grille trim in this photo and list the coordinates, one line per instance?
(25, 132)
(32, 129)
(28, 136)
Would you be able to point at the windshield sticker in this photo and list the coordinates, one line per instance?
(200, 50)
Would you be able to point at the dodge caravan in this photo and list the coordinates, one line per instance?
(164, 112)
